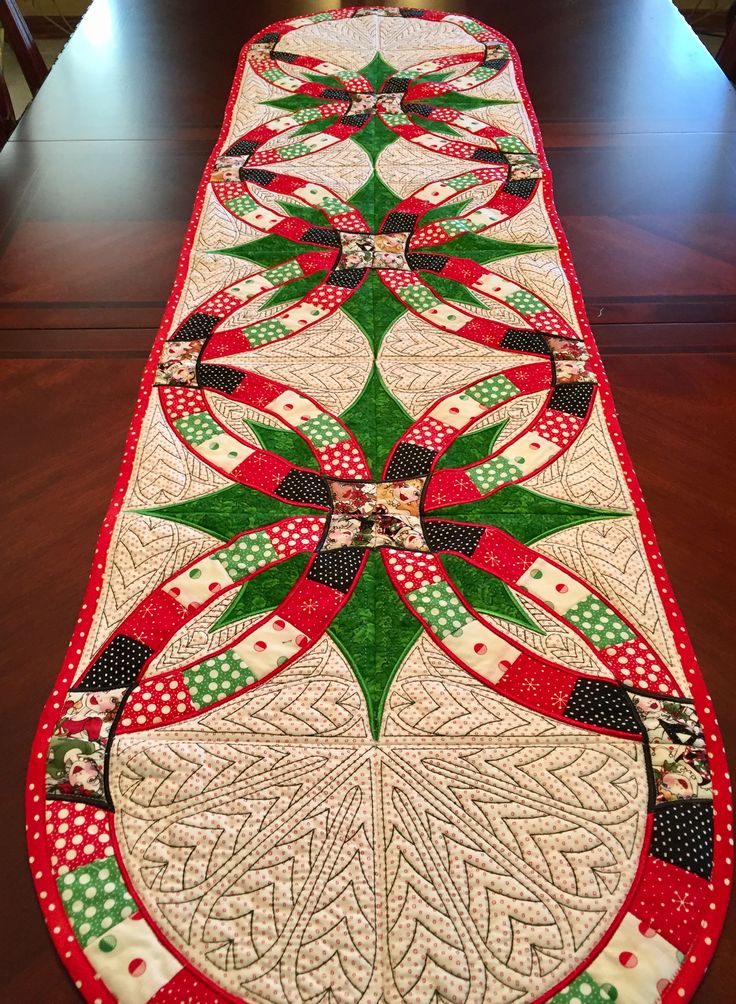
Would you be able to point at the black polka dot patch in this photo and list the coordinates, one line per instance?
(520, 340)
(304, 486)
(410, 12)
(489, 156)
(118, 665)
(524, 187)
(430, 262)
(442, 535)
(494, 64)
(572, 398)
(257, 175)
(335, 94)
(415, 108)
(219, 377)
(322, 235)
(396, 85)
(399, 223)
(241, 148)
(347, 278)
(336, 569)
(683, 835)
(195, 326)
(357, 121)
(410, 461)
(607, 705)
(270, 36)
(285, 57)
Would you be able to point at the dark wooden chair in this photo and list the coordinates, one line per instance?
(726, 56)
(29, 59)
(7, 115)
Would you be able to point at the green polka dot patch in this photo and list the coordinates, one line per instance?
(323, 430)
(95, 898)
(598, 622)
(272, 73)
(289, 270)
(481, 73)
(441, 608)
(293, 150)
(198, 428)
(395, 119)
(267, 331)
(473, 28)
(418, 297)
(246, 555)
(585, 990)
(511, 144)
(453, 227)
(462, 181)
(491, 391)
(241, 205)
(333, 206)
(493, 474)
(305, 115)
(525, 303)
(217, 678)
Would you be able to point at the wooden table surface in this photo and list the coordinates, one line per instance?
(96, 188)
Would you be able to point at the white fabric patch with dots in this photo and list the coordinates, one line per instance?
(496, 286)
(132, 961)
(261, 218)
(482, 650)
(484, 217)
(250, 287)
(435, 193)
(315, 195)
(529, 451)
(552, 585)
(293, 408)
(457, 411)
(199, 582)
(446, 316)
(269, 645)
(636, 961)
(225, 451)
(298, 317)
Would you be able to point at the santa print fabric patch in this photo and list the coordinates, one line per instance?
(379, 690)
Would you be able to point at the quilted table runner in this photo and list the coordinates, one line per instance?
(379, 692)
